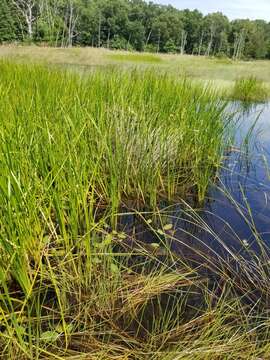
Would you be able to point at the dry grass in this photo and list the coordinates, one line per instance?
(222, 72)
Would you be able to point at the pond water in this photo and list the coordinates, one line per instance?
(235, 218)
(238, 209)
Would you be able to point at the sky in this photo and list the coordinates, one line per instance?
(234, 9)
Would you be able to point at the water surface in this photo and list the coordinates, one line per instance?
(235, 218)
(238, 209)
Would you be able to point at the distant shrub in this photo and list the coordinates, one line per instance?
(223, 59)
(119, 43)
(170, 47)
(221, 55)
(250, 89)
(150, 48)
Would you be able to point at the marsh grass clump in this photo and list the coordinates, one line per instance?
(73, 152)
(116, 135)
(250, 90)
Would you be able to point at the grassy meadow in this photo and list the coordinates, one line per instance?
(76, 154)
(222, 73)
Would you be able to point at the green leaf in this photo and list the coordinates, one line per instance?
(96, 261)
(21, 330)
(49, 336)
(59, 328)
(108, 239)
(114, 269)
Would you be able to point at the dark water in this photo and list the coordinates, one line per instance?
(238, 209)
(235, 218)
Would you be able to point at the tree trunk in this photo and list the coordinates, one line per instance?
(99, 31)
(148, 37)
(210, 44)
(158, 44)
(201, 43)
(183, 42)
(108, 38)
(25, 7)
(70, 34)
(29, 20)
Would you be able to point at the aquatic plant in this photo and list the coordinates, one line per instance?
(250, 89)
(73, 152)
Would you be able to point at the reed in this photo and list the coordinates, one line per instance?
(73, 152)
(250, 90)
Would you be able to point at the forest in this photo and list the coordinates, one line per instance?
(132, 25)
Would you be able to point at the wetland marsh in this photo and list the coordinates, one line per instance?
(134, 215)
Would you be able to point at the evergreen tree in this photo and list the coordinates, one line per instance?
(7, 22)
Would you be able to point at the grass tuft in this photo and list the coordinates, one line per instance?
(250, 90)
(73, 151)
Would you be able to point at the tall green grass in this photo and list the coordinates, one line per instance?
(120, 135)
(73, 152)
(250, 89)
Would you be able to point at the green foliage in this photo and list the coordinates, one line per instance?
(79, 143)
(74, 152)
(138, 25)
(150, 48)
(7, 22)
(170, 47)
(250, 89)
(255, 37)
(119, 43)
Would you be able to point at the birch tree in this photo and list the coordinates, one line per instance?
(27, 10)
(239, 45)
(210, 43)
(73, 19)
(183, 42)
(201, 43)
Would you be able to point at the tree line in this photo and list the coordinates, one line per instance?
(132, 25)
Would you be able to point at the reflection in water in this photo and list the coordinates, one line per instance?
(241, 198)
(236, 214)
